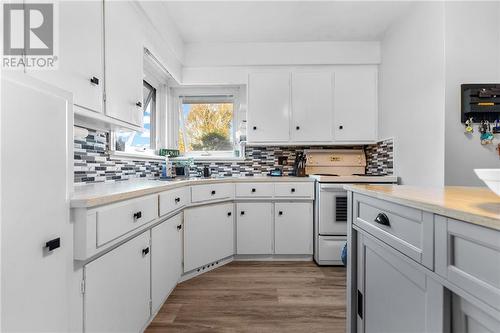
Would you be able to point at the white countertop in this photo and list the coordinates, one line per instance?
(477, 205)
(91, 195)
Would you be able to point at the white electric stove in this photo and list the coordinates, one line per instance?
(336, 168)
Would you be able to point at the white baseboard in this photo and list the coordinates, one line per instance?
(273, 257)
(206, 268)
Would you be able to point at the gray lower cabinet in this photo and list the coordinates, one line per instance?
(118, 283)
(394, 294)
(468, 318)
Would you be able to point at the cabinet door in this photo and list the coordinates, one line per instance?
(312, 107)
(117, 288)
(394, 295)
(269, 107)
(254, 228)
(468, 318)
(166, 259)
(293, 223)
(208, 234)
(355, 104)
(80, 57)
(124, 62)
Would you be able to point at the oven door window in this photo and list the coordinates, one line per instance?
(332, 212)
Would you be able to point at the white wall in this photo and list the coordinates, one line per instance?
(472, 56)
(411, 93)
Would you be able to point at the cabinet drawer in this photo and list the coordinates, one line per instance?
(330, 249)
(118, 219)
(468, 256)
(173, 200)
(295, 190)
(262, 190)
(212, 192)
(408, 230)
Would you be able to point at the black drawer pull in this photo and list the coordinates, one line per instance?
(242, 212)
(382, 219)
(94, 80)
(137, 215)
(179, 227)
(138, 104)
(145, 251)
(213, 192)
(229, 213)
(177, 200)
(280, 213)
(255, 128)
(297, 128)
(253, 190)
(341, 127)
(53, 244)
(292, 190)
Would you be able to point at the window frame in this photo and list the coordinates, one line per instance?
(224, 94)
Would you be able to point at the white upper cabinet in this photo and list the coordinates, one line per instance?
(124, 53)
(80, 56)
(269, 105)
(312, 107)
(355, 103)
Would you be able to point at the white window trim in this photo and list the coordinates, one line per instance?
(173, 117)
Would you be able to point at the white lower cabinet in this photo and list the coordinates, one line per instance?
(208, 234)
(394, 295)
(166, 259)
(117, 288)
(293, 228)
(254, 228)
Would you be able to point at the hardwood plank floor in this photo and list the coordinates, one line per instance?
(257, 297)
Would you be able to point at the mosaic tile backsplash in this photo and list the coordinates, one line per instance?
(93, 164)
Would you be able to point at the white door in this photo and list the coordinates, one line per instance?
(254, 228)
(208, 234)
(35, 206)
(269, 107)
(80, 57)
(124, 62)
(166, 259)
(355, 104)
(117, 288)
(293, 223)
(332, 210)
(394, 295)
(312, 107)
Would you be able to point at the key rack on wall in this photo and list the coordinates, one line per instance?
(481, 102)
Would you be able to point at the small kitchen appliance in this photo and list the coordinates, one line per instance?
(332, 169)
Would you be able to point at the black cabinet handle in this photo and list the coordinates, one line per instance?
(242, 212)
(138, 104)
(255, 128)
(382, 219)
(229, 213)
(177, 200)
(292, 190)
(145, 251)
(213, 192)
(179, 227)
(253, 190)
(297, 128)
(53, 244)
(341, 127)
(94, 80)
(280, 213)
(137, 215)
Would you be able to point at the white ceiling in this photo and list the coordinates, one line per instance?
(282, 21)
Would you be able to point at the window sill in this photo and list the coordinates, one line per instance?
(135, 156)
(209, 158)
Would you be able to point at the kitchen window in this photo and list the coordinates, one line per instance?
(206, 126)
